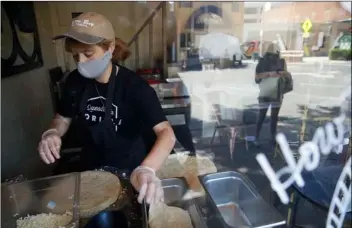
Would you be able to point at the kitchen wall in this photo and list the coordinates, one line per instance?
(126, 17)
(26, 109)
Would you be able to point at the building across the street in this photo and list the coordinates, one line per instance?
(328, 20)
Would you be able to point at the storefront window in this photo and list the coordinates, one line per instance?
(242, 113)
(258, 95)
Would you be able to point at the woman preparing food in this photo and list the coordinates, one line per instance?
(112, 105)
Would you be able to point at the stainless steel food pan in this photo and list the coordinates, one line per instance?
(174, 192)
(237, 202)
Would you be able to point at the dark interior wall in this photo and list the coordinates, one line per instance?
(26, 109)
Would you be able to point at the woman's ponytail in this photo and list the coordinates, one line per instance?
(121, 52)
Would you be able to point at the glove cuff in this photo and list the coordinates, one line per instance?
(50, 132)
(147, 168)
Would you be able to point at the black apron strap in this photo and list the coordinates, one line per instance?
(84, 98)
(110, 94)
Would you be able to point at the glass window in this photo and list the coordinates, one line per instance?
(313, 15)
(240, 83)
(297, 18)
(172, 6)
(251, 20)
(251, 11)
(235, 7)
(186, 4)
(327, 15)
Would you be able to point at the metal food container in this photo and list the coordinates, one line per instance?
(237, 203)
(45, 195)
(174, 191)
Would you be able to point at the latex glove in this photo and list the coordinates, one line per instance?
(49, 146)
(147, 184)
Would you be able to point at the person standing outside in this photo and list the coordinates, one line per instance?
(274, 80)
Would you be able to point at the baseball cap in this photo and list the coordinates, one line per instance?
(89, 28)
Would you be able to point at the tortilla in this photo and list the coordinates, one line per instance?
(172, 167)
(98, 190)
(180, 165)
(170, 217)
(199, 165)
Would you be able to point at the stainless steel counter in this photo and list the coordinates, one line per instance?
(175, 89)
(176, 103)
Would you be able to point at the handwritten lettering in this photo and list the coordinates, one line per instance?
(325, 139)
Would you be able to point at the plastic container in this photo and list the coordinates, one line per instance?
(56, 195)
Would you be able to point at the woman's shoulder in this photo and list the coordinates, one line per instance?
(131, 78)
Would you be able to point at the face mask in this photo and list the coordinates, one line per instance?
(94, 68)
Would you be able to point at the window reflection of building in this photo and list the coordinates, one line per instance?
(252, 21)
(327, 18)
(200, 18)
(313, 16)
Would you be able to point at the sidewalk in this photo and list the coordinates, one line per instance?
(310, 60)
(324, 59)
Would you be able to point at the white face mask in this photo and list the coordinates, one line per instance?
(94, 68)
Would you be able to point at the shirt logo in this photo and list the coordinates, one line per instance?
(95, 112)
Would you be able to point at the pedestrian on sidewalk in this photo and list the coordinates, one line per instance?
(274, 81)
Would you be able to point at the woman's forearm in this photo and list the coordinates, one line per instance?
(61, 124)
(163, 146)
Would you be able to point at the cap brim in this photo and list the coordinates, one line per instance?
(81, 37)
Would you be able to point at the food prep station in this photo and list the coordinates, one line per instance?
(230, 200)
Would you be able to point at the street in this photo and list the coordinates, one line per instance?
(314, 84)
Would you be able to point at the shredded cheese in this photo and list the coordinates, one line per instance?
(45, 220)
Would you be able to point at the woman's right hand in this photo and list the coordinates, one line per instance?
(49, 146)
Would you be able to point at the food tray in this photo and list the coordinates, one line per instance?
(29, 198)
(174, 192)
(237, 203)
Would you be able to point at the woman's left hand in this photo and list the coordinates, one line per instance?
(147, 184)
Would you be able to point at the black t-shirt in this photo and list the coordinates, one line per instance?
(270, 62)
(135, 108)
